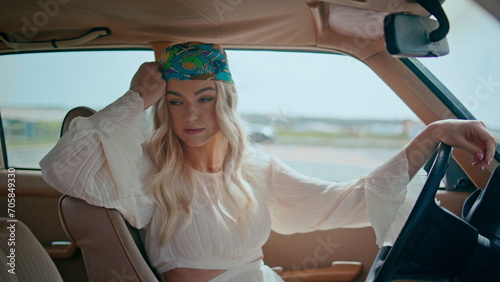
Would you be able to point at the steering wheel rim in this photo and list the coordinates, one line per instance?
(386, 264)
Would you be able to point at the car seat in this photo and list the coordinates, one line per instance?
(22, 256)
(112, 249)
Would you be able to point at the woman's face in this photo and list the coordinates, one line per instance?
(191, 106)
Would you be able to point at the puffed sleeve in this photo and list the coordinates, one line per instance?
(100, 160)
(298, 203)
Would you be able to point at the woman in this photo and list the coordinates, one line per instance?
(204, 199)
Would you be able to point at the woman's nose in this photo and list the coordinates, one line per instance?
(191, 113)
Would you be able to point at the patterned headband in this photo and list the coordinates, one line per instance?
(194, 61)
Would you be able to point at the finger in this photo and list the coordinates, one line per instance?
(491, 146)
(480, 155)
(146, 65)
(488, 145)
(473, 148)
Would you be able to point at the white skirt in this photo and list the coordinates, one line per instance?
(255, 271)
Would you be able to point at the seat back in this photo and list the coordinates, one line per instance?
(112, 249)
(22, 256)
(73, 113)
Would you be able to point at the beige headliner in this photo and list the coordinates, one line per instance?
(282, 24)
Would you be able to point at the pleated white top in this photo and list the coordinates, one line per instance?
(100, 160)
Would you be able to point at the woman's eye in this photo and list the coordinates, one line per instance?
(174, 102)
(206, 99)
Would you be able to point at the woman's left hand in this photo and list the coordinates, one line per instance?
(469, 135)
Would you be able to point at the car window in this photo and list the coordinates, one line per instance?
(37, 90)
(326, 115)
(470, 71)
(333, 117)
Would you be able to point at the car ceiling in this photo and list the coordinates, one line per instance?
(260, 24)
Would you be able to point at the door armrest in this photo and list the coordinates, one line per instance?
(338, 271)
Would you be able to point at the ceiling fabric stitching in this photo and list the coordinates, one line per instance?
(216, 27)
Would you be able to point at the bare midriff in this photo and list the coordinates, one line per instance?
(191, 274)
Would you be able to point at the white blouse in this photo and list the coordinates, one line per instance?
(101, 160)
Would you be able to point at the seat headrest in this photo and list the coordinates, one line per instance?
(73, 113)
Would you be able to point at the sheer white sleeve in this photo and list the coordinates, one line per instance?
(298, 203)
(100, 160)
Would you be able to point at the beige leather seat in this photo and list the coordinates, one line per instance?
(22, 256)
(112, 249)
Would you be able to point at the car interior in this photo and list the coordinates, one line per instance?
(453, 231)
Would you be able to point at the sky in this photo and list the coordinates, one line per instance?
(268, 82)
(282, 83)
(471, 70)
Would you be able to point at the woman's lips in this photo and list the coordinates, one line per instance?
(193, 131)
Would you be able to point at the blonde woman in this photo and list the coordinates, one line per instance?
(204, 199)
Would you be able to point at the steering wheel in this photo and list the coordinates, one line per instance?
(434, 244)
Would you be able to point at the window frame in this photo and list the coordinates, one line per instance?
(441, 91)
(5, 162)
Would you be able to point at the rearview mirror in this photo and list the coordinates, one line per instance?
(409, 36)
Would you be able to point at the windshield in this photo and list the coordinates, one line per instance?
(319, 117)
(470, 71)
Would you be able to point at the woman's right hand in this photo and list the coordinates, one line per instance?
(148, 82)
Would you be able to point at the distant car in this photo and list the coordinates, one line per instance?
(259, 133)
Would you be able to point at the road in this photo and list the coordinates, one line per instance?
(328, 163)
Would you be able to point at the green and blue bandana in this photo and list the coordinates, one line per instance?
(194, 61)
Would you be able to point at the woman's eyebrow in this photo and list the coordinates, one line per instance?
(198, 92)
(173, 93)
(204, 89)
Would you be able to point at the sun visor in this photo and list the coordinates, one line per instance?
(356, 22)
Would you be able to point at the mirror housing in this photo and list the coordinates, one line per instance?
(417, 36)
(409, 36)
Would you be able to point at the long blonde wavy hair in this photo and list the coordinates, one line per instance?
(166, 152)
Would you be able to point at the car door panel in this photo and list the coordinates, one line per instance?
(36, 204)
